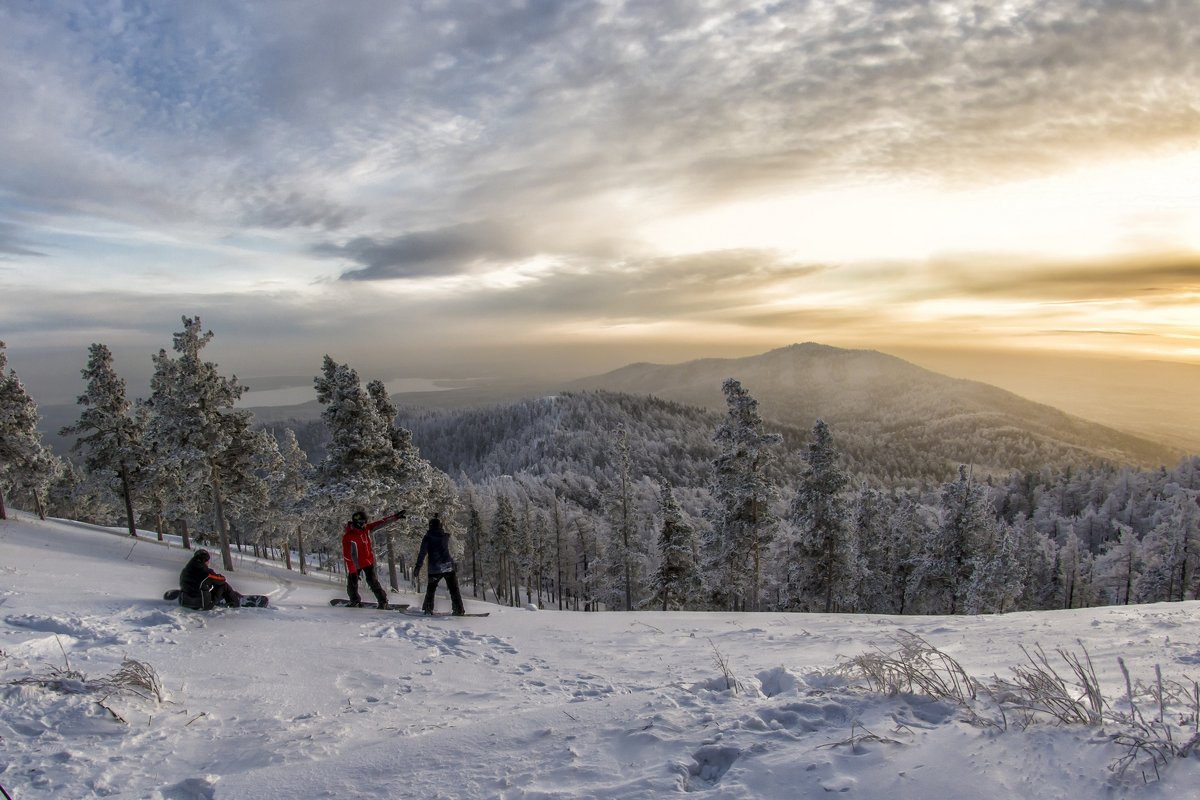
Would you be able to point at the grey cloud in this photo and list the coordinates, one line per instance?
(13, 241)
(424, 253)
(282, 208)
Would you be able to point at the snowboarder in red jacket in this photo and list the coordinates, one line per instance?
(360, 557)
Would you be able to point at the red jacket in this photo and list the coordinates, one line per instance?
(356, 543)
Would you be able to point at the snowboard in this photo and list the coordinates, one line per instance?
(248, 600)
(341, 602)
(416, 612)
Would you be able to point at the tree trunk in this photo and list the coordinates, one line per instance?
(127, 493)
(558, 555)
(219, 514)
(391, 559)
(3, 510)
(300, 548)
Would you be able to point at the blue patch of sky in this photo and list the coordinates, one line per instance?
(177, 73)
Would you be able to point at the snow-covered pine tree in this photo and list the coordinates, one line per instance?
(248, 462)
(369, 461)
(623, 554)
(1168, 552)
(997, 577)
(1118, 567)
(909, 527)
(875, 589)
(193, 420)
(411, 482)
(497, 551)
(26, 464)
(743, 523)
(676, 582)
(474, 541)
(1075, 571)
(947, 559)
(110, 434)
(823, 560)
(289, 488)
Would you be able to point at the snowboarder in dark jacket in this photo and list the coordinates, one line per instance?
(202, 587)
(360, 557)
(436, 546)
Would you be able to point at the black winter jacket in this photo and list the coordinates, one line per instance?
(194, 573)
(436, 545)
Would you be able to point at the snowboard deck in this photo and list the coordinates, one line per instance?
(248, 600)
(416, 612)
(342, 602)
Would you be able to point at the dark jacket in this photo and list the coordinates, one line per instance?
(436, 545)
(196, 578)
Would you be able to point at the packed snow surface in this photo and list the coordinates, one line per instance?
(304, 700)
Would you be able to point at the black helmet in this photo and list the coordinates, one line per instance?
(201, 555)
(358, 516)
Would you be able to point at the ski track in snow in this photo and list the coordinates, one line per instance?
(303, 700)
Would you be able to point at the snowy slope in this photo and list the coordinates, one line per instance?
(304, 700)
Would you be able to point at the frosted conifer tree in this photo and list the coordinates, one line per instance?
(997, 577)
(248, 462)
(370, 462)
(743, 523)
(193, 424)
(878, 574)
(623, 554)
(409, 481)
(25, 463)
(676, 582)
(909, 527)
(289, 489)
(948, 557)
(359, 439)
(475, 537)
(823, 554)
(497, 551)
(110, 434)
(1118, 568)
(1167, 552)
(1075, 571)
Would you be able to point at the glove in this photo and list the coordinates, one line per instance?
(399, 514)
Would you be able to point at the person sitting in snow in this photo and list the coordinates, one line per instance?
(360, 557)
(202, 587)
(436, 545)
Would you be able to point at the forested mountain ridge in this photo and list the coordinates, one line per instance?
(897, 420)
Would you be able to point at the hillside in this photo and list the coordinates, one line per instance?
(888, 411)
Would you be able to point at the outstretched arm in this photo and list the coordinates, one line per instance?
(379, 523)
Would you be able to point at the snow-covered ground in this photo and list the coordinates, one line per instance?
(301, 700)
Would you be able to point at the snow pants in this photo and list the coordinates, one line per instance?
(372, 581)
(211, 593)
(451, 585)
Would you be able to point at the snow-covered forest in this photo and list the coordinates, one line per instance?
(594, 500)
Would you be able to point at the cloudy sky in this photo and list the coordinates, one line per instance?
(448, 188)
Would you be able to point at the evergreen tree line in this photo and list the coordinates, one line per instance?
(607, 502)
